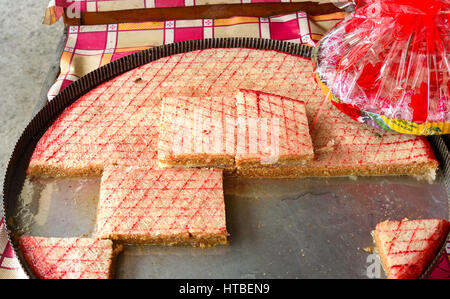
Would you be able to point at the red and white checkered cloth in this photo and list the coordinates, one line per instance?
(89, 47)
(9, 265)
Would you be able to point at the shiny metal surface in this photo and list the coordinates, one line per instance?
(286, 228)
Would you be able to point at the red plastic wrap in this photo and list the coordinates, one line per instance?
(391, 60)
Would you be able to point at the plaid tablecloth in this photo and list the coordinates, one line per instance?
(9, 267)
(89, 47)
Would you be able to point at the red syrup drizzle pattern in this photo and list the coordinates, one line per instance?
(412, 246)
(292, 128)
(202, 73)
(149, 202)
(67, 258)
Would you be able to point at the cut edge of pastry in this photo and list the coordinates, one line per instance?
(198, 161)
(117, 250)
(183, 239)
(37, 170)
(419, 170)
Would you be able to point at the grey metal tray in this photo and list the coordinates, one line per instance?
(284, 228)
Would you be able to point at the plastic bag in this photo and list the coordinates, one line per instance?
(347, 5)
(388, 65)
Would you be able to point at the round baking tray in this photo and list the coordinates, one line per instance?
(16, 171)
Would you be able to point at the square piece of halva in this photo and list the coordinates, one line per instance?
(197, 132)
(271, 130)
(162, 206)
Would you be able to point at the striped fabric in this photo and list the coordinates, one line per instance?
(9, 265)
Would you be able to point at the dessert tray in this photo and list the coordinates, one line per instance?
(307, 227)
